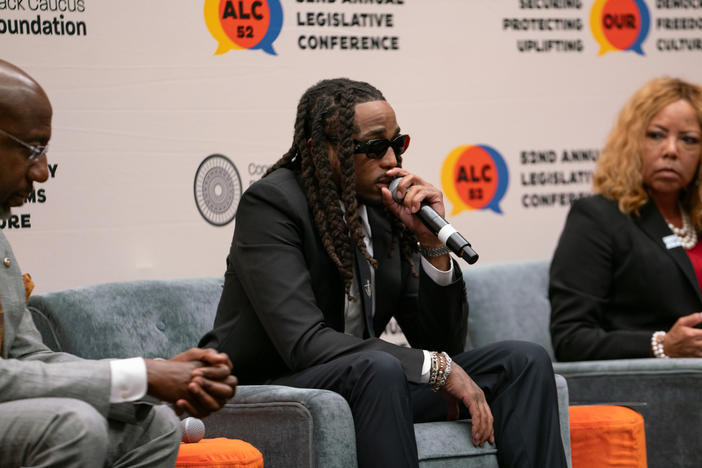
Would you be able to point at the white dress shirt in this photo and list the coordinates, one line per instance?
(128, 379)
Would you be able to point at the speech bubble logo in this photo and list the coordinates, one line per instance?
(274, 27)
(643, 31)
(474, 177)
(596, 26)
(620, 25)
(244, 24)
(215, 27)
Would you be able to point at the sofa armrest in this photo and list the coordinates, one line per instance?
(662, 390)
(637, 382)
(292, 427)
(629, 367)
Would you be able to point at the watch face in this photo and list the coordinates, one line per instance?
(217, 189)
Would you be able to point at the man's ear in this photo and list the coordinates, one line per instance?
(309, 146)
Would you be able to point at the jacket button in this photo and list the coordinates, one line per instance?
(7, 262)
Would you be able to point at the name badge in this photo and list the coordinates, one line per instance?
(672, 241)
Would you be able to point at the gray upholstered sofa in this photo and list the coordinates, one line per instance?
(292, 427)
(510, 301)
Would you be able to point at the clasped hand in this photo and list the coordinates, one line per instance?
(414, 191)
(198, 381)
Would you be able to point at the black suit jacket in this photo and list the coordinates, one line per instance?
(614, 282)
(282, 307)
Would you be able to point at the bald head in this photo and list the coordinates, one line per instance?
(25, 119)
(17, 88)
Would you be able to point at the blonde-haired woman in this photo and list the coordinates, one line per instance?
(625, 278)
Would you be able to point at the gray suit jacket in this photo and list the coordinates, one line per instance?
(28, 369)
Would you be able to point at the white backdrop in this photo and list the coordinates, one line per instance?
(141, 99)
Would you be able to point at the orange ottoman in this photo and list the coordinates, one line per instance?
(607, 436)
(219, 453)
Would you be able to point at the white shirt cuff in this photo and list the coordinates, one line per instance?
(426, 367)
(440, 277)
(128, 379)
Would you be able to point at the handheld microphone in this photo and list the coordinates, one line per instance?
(193, 429)
(446, 233)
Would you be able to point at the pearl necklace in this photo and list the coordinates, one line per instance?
(687, 234)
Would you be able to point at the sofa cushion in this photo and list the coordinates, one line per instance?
(219, 453)
(164, 319)
(496, 291)
(605, 436)
(449, 444)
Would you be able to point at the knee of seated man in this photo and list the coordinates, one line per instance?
(78, 421)
(380, 366)
(526, 354)
(167, 424)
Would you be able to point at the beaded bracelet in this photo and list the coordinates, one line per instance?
(434, 368)
(440, 374)
(657, 345)
(440, 370)
(447, 372)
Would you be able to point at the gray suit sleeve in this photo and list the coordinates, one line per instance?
(28, 369)
(33, 371)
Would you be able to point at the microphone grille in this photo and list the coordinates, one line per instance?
(193, 429)
(393, 189)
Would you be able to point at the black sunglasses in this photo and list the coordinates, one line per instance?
(376, 149)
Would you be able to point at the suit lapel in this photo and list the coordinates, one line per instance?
(387, 268)
(652, 223)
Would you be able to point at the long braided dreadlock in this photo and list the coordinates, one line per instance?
(325, 116)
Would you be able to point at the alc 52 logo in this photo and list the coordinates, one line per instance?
(244, 24)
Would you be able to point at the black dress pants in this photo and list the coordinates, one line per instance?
(517, 378)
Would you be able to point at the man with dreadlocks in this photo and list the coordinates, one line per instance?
(322, 258)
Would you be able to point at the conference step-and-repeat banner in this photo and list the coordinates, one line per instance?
(166, 111)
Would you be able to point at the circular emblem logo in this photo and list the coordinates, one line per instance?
(217, 189)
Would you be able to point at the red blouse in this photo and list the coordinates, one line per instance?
(695, 255)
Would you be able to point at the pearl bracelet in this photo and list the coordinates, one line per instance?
(657, 345)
